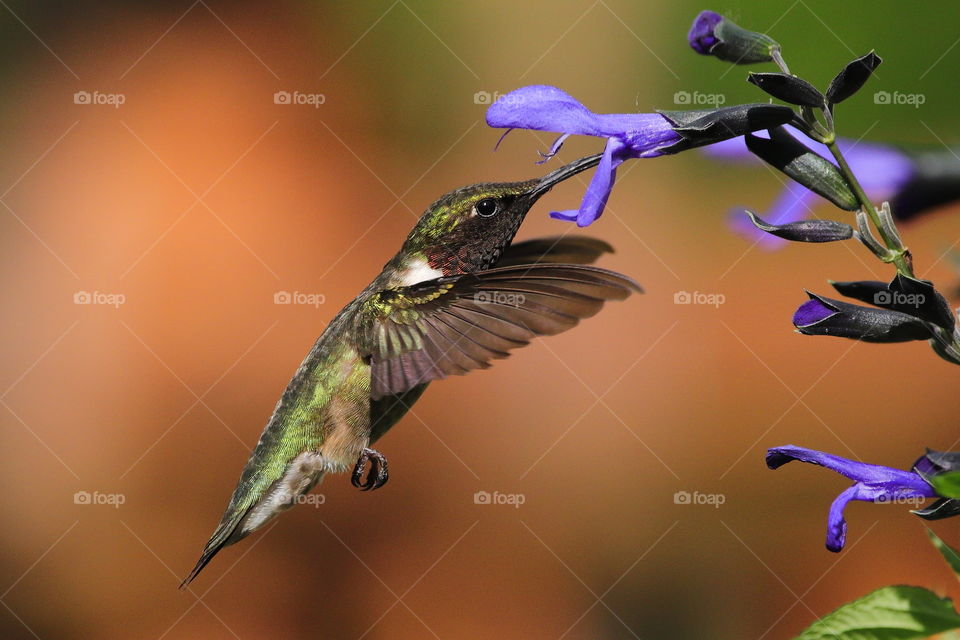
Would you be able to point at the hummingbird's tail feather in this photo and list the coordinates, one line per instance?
(201, 563)
(259, 497)
(226, 534)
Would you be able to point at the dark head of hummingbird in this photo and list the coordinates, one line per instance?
(466, 230)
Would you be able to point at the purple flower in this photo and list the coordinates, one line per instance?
(702, 37)
(712, 34)
(911, 296)
(905, 309)
(546, 108)
(930, 465)
(820, 316)
(871, 483)
(813, 311)
(885, 172)
(629, 135)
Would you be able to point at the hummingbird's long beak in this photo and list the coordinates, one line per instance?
(564, 172)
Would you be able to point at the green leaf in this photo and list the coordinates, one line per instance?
(949, 553)
(889, 613)
(945, 484)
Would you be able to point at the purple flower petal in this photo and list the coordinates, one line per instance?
(937, 462)
(652, 141)
(567, 215)
(926, 465)
(871, 474)
(595, 198)
(701, 36)
(545, 108)
(872, 483)
(541, 107)
(811, 312)
(634, 135)
(836, 524)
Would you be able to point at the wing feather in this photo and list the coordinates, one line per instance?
(557, 249)
(453, 325)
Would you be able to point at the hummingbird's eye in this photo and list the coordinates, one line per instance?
(486, 207)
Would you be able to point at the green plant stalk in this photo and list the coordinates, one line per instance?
(899, 255)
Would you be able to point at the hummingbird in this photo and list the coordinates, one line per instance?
(457, 295)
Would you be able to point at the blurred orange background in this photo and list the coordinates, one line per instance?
(199, 198)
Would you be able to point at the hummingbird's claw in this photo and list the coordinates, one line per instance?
(378, 475)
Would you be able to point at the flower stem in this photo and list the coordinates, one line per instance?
(825, 132)
(778, 60)
(898, 254)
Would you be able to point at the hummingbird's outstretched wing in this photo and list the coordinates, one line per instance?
(555, 249)
(452, 325)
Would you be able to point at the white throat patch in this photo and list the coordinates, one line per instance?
(417, 271)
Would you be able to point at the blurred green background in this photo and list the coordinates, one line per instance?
(199, 198)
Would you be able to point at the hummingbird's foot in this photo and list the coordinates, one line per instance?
(378, 475)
